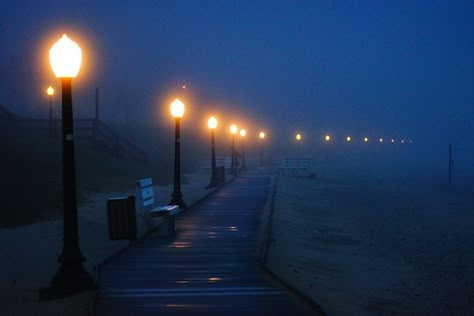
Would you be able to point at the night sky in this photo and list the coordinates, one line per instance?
(380, 67)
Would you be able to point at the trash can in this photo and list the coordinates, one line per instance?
(220, 175)
(121, 219)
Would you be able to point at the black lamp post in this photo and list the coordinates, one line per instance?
(262, 137)
(177, 111)
(233, 167)
(212, 123)
(50, 92)
(65, 57)
(243, 133)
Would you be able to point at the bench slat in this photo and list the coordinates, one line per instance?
(147, 192)
(167, 210)
(148, 202)
(144, 182)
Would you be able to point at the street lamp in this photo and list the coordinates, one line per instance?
(348, 138)
(50, 93)
(298, 137)
(177, 111)
(366, 139)
(243, 133)
(233, 167)
(262, 137)
(65, 57)
(381, 140)
(327, 138)
(212, 124)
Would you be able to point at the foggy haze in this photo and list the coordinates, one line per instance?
(400, 69)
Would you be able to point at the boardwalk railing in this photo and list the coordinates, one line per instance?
(117, 145)
(100, 134)
(205, 163)
(296, 166)
(6, 116)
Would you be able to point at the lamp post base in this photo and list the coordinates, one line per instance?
(69, 280)
(177, 199)
(213, 183)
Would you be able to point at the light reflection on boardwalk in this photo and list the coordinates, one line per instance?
(207, 268)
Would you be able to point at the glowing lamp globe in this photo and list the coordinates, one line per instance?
(381, 140)
(212, 122)
(262, 135)
(366, 139)
(50, 91)
(298, 136)
(348, 138)
(233, 129)
(243, 132)
(328, 138)
(65, 57)
(177, 108)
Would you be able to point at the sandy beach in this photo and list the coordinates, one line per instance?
(365, 240)
(29, 253)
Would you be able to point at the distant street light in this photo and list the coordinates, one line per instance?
(348, 138)
(298, 137)
(233, 167)
(177, 111)
(262, 137)
(366, 139)
(50, 93)
(381, 140)
(327, 138)
(65, 57)
(243, 133)
(212, 124)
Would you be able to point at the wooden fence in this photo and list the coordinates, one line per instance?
(100, 134)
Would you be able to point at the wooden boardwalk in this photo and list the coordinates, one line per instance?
(207, 268)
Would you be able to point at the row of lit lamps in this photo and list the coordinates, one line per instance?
(349, 139)
(177, 111)
(212, 124)
(65, 58)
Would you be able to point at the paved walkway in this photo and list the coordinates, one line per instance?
(207, 268)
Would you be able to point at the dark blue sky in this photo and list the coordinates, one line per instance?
(382, 67)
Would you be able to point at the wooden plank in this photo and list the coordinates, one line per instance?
(208, 268)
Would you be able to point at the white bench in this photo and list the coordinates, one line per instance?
(205, 163)
(225, 162)
(296, 166)
(146, 203)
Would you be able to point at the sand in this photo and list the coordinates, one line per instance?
(359, 241)
(29, 253)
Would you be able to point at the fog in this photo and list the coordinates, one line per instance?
(401, 69)
(400, 72)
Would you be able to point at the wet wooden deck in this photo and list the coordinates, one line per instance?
(207, 268)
